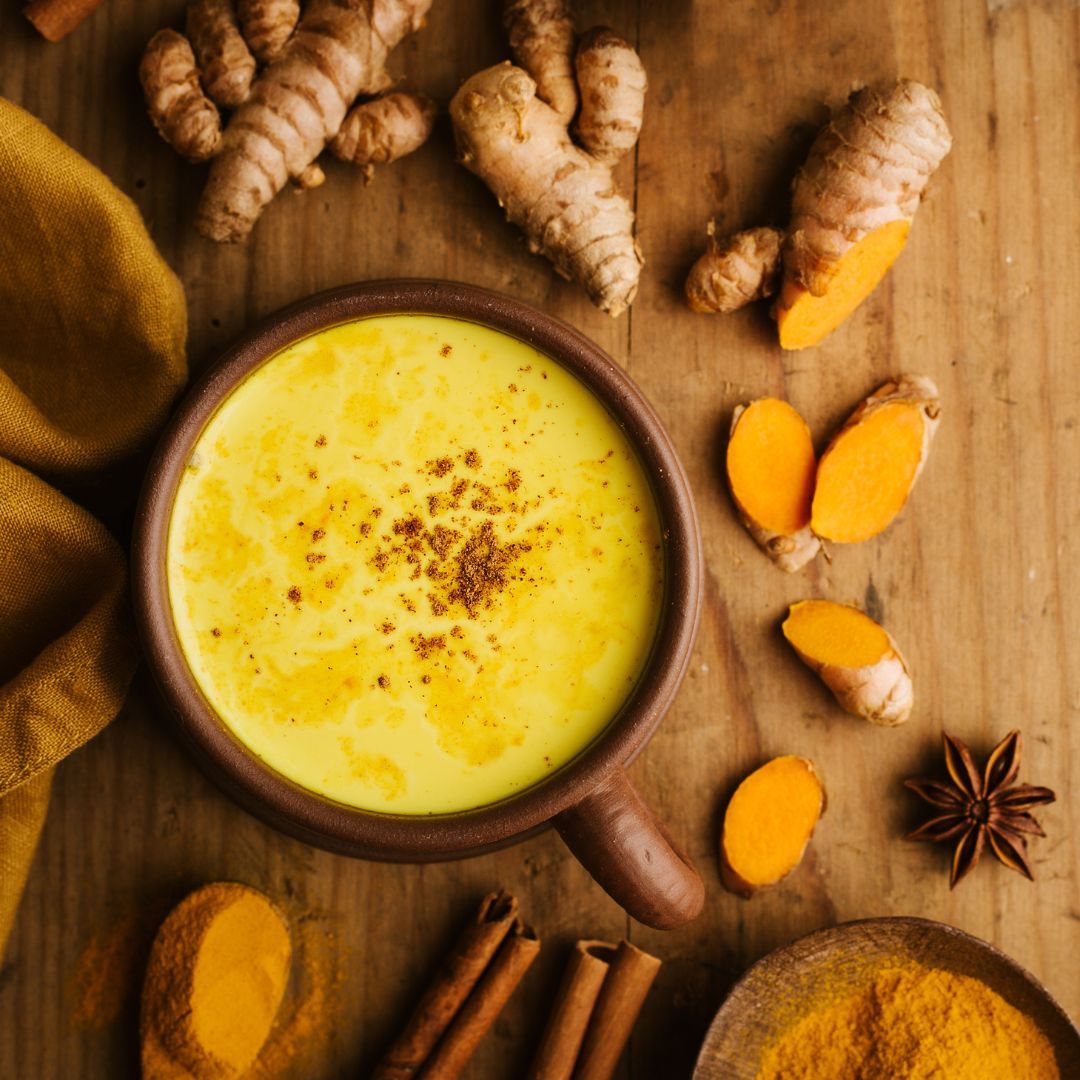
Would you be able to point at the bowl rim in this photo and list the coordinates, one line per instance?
(729, 1005)
(336, 826)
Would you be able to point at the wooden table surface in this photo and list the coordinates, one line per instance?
(977, 579)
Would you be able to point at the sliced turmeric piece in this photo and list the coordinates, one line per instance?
(855, 658)
(770, 468)
(853, 202)
(868, 470)
(803, 319)
(768, 824)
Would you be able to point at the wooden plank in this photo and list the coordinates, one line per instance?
(975, 580)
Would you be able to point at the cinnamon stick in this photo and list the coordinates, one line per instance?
(480, 1011)
(55, 19)
(623, 993)
(459, 973)
(577, 994)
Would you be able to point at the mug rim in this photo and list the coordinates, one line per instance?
(337, 826)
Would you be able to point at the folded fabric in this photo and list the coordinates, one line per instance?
(92, 334)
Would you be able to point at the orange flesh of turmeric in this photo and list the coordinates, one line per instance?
(770, 466)
(803, 319)
(770, 819)
(835, 634)
(866, 474)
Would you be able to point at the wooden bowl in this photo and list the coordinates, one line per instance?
(776, 992)
(590, 800)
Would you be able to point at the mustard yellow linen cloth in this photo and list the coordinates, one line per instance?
(92, 334)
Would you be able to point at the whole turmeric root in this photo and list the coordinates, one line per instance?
(735, 271)
(293, 109)
(768, 824)
(184, 116)
(562, 196)
(852, 206)
(855, 658)
(380, 131)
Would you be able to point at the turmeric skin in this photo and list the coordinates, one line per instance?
(768, 824)
(854, 657)
(216, 976)
(910, 1022)
(225, 61)
(267, 25)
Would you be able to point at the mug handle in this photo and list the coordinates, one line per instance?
(619, 840)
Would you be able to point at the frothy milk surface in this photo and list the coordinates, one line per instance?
(414, 564)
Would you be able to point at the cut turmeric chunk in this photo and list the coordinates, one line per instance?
(768, 824)
(855, 658)
(804, 319)
(771, 468)
(868, 470)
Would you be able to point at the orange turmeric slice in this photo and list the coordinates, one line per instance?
(768, 824)
(868, 470)
(855, 657)
(770, 469)
(803, 319)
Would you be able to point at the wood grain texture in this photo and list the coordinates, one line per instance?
(976, 581)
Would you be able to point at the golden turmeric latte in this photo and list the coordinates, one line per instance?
(217, 973)
(912, 1023)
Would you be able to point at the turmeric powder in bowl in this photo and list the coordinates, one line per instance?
(217, 973)
(911, 1022)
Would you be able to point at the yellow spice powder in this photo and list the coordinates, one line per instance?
(913, 1023)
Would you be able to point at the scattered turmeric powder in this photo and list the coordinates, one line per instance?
(217, 973)
(855, 657)
(768, 824)
(911, 1022)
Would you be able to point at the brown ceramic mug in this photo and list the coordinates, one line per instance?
(591, 801)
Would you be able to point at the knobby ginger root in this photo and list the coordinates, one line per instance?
(612, 82)
(541, 34)
(852, 206)
(868, 470)
(855, 658)
(771, 469)
(298, 104)
(267, 25)
(293, 109)
(380, 131)
(184, 116)
(561, 196)
(735, 271)
(224, 59)
(768, 824)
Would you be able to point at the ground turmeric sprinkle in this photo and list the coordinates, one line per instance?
(913, 1023)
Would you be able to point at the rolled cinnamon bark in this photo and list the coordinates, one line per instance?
(484, 1004)
(55, 19)
(455, 979)
(621, 996)
(577, 994)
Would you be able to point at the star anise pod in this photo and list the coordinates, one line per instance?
(980, 809)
